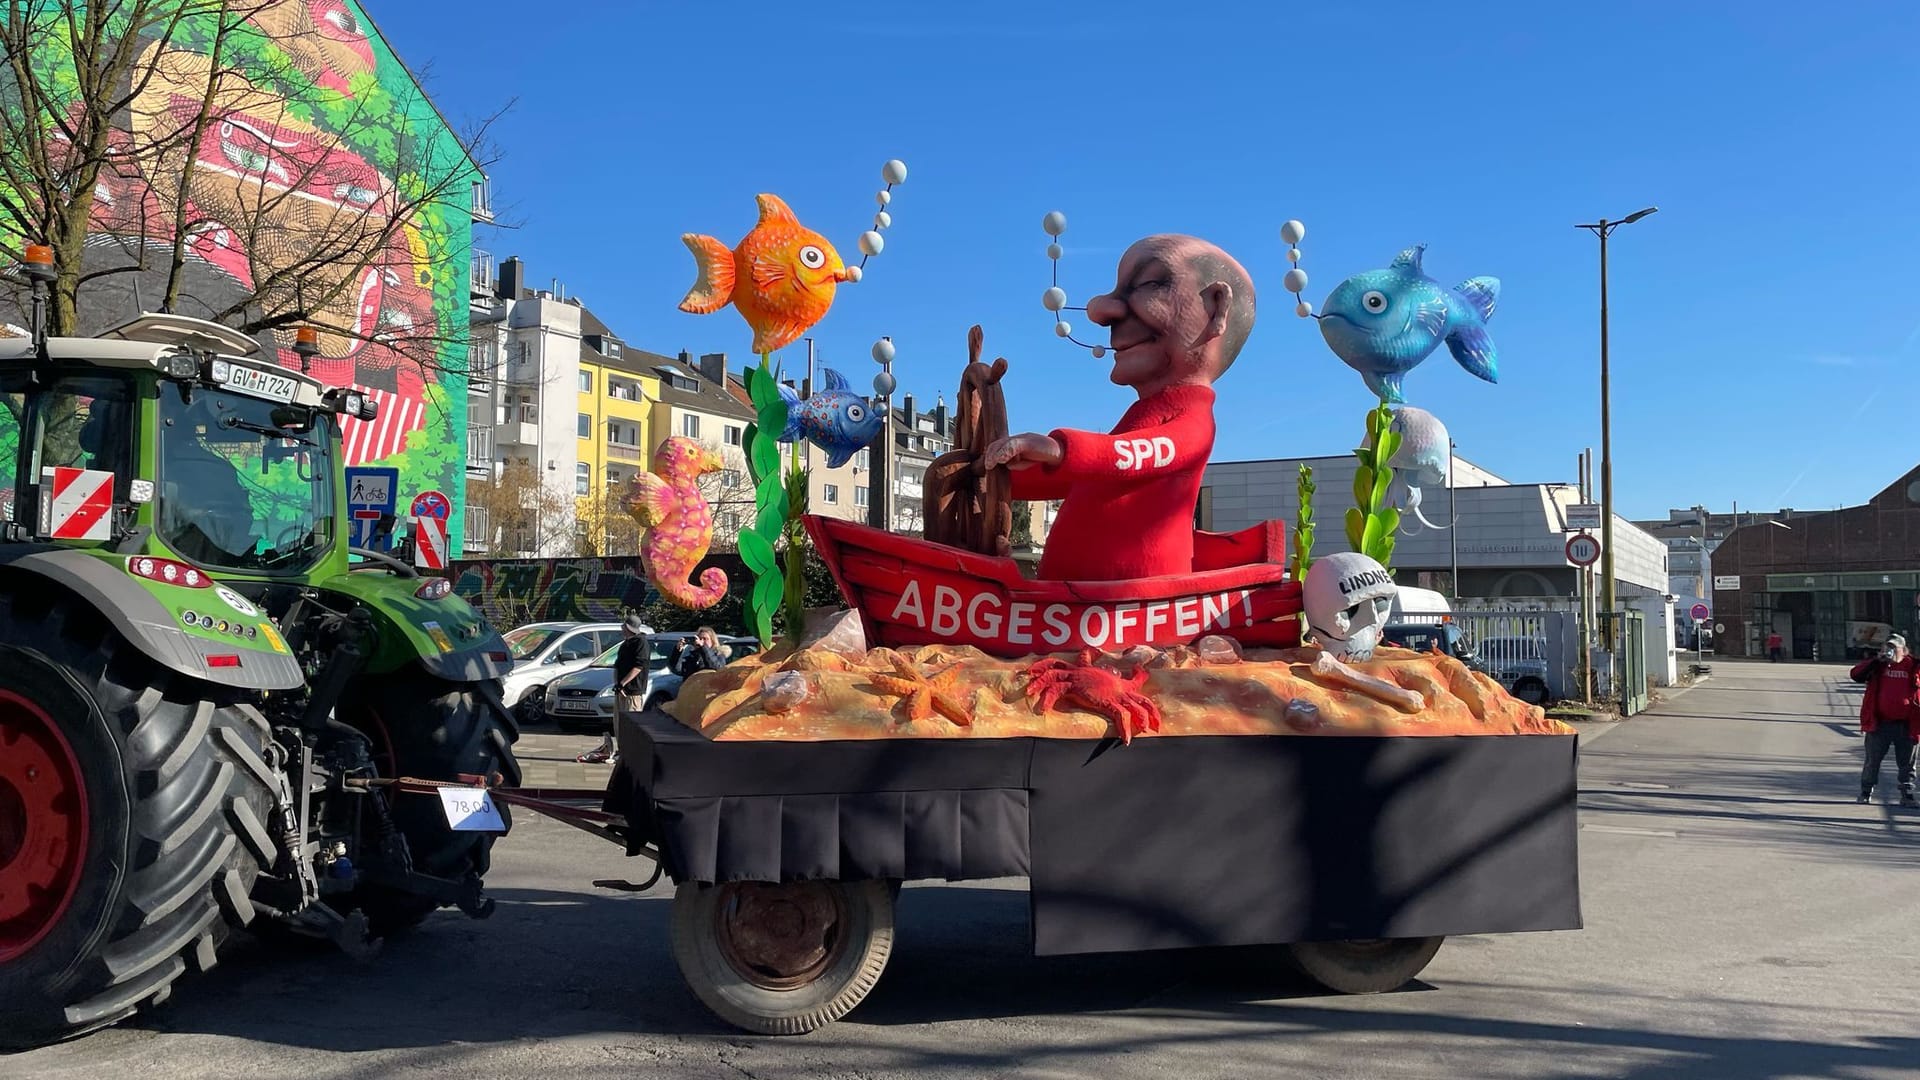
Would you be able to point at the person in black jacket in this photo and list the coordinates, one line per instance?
(701, 652)
(629, 682)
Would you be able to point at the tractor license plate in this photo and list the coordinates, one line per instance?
(575, 706)
(470, 810)
(259, 383)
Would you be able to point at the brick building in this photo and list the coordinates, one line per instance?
(1832, 582)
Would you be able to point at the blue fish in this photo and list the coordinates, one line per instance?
(833, 418)
(1383, 323)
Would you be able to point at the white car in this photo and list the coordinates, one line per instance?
(543, 652)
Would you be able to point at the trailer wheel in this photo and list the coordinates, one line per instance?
(1365, 967)
(782, 959)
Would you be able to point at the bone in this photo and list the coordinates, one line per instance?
(1329, 667)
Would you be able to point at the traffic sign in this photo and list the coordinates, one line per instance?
(1583, 516)
(1699, 612)
(370, 494)
(432, 504)
(430, 543)
(1583, 550)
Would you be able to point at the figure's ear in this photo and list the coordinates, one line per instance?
(1218, 298)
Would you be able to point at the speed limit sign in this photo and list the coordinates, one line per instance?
(1582, 549)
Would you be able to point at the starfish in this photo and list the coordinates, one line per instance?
(925, 696)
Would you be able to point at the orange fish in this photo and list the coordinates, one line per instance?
(781, 278)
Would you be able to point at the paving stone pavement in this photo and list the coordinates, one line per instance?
(546, 760)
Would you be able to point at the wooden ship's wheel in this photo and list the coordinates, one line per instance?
(963, 504)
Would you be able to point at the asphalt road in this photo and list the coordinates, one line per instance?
(1744, 918)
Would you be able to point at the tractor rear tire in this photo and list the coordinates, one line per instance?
(135, 815)
(429, 729)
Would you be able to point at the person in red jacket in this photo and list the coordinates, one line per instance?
(1889, 715)
(1773, 647)
(1177, 317)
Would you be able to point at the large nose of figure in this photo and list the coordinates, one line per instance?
(1106, 310)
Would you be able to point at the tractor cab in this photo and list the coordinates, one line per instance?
(166, 436)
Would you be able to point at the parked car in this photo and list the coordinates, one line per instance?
(585, 698)
(1519, 664)
(543, 652)
(1444, 637)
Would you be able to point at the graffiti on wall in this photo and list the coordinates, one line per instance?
(323, 180)
(514, 592)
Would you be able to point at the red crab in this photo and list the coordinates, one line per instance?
(1096, 689)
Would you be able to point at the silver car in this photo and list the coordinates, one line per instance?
(545, 651)
(585, 699)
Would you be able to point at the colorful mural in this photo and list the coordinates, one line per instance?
(318, 140)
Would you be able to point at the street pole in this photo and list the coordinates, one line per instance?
(1603, 229)
(880, 475)
(1453, 527)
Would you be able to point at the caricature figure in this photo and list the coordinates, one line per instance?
(1178, 315)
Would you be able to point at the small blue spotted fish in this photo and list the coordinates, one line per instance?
(833, 418)
(1383, 323)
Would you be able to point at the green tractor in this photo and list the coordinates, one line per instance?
(207, 699)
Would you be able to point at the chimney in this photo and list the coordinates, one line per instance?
(940, 416)
(913, 418)
(686, 357)
(713, 366)
(513, 278)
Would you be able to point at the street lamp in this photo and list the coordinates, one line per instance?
(1603, 228)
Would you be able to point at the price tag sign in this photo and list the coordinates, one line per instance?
(470, 809)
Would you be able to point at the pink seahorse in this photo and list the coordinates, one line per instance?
(668, 503)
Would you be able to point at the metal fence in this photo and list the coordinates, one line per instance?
(1535, 654)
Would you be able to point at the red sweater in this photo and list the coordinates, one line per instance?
(1128, 496)
(1890, 694)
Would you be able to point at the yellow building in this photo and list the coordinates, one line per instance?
(616, 396)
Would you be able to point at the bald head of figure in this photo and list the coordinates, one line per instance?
(1179, 313)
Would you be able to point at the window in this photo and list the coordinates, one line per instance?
(730, 478)
(584, 426)
(682, 382)
(690, 426)
(586, 382)
(528, 412)
(860, 495)
(733, 435)
(582, 479)
(860, 459)
(832, 493)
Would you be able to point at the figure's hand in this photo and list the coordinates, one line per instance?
(1022, 452)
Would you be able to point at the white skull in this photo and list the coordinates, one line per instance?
(1347, 597)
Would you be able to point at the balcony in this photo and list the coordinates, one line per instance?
(517, 434)
(483, 362)
(480, 451)
(479, 531)
(619, 451)
(482, 281)
(483, 201)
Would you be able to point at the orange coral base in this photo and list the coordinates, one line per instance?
(1248, 697)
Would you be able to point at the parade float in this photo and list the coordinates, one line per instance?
(1180, 738)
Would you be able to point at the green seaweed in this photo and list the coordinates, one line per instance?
(1372, 525)
(794, 608)
(1303, 526)
(758, 540)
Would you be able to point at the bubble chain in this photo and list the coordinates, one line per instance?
(1055, 298)
(1295, 282)
(871, 242)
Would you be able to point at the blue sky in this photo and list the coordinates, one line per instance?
(1764, 334)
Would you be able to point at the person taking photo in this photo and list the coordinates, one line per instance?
(701, 652)
(1889, 715)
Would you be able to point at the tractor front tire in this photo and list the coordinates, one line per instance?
(134, 817)
(429, 729)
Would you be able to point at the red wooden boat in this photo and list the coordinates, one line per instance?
(913, 592)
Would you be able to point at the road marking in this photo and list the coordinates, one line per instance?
(1641, 784)
(1628, 830)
